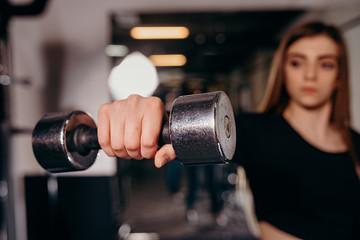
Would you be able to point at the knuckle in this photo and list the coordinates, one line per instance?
(118, 104)
(118, 147)
(104, 108)
(148, 153)
(154, 103)
(137, 157)
(148, 143)
(132, 145)
(123, 156)
(134, 98)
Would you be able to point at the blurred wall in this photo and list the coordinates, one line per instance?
(67, 71)
(62, 54)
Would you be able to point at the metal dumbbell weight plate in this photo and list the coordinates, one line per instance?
(53, 144)
(202, 128)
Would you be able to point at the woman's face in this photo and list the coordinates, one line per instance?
(311, 70)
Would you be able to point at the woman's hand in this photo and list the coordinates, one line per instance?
(130, 128)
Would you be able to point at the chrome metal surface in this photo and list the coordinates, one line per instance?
(202, 128)
(50, 142)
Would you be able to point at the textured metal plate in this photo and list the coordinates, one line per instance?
(203, 128)
(49, 142)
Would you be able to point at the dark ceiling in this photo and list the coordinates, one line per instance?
(217, 41)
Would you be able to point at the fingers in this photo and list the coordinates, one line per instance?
(117, 130)
(104, 130)
(151, 128)
(165, 154)
(130, 128)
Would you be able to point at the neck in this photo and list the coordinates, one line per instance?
(314, 122)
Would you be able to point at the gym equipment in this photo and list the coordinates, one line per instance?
(201, 129)
(8, 203)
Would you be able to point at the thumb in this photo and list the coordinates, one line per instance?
(165, 154)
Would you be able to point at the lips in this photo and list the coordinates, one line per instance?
(308, 90)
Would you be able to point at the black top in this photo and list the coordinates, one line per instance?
(298, 188)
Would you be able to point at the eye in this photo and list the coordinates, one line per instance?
(328, 65)
(295, 63)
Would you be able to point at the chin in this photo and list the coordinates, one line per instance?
(313, 105)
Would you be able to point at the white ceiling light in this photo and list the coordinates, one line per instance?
(159, 32)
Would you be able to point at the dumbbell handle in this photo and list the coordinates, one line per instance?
(83, 138)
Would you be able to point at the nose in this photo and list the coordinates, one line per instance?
(310, 72)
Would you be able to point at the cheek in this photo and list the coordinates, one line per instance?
(329, 81)
(292, 80)
(329, 89)
(293, 74)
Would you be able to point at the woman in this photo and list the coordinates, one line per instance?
(300, 154)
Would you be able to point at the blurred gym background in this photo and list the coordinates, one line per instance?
(59, 58)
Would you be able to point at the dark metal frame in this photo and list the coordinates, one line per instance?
(7, 208)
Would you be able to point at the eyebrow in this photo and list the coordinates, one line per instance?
(336, 57)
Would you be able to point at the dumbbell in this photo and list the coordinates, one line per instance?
(201, 129)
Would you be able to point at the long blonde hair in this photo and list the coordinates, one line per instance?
(276, 98)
